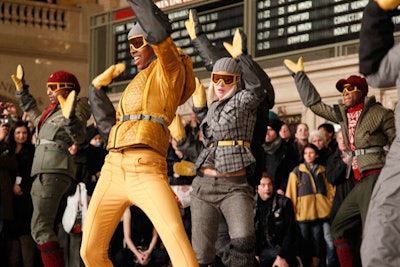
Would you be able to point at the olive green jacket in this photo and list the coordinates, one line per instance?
(375, 127)
(55, 136)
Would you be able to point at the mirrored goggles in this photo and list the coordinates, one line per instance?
(227, 79)
(349, 89)
(137, 42)
(55, 87)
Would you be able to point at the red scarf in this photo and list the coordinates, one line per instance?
(49, 109)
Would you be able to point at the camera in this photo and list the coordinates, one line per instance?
(4, 121)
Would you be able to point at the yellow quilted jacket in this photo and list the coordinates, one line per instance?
(156, 91)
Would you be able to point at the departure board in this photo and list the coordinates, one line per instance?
(279, 25)
(286, 25)
(219, 21)
(122, 52)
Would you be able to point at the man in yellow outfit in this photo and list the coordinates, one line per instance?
(135, 170)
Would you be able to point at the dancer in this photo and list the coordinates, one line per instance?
(221, 187)
(135, 170)
(58, 127)
(367, 128)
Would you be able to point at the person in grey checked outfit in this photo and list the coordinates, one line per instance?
(221, 187)
(58, 127)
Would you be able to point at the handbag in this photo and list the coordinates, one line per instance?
(182, 194)
(75, 212)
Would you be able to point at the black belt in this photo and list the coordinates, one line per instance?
(364, 151)
(138, 117)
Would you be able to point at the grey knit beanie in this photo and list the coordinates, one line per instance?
(136, 30)
(227, 64)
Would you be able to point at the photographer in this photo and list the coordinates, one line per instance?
(9, 113)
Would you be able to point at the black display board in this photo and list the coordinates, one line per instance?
(219, 20)
(286, 25)
(279, 25)
(122, 53)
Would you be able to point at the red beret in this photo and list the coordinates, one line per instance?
(354, 80)
(61, 77)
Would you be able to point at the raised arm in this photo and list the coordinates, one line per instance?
(102, 107)
(27, 102)
(307, 92)
(207, 51)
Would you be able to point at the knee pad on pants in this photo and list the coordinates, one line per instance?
(243, 244)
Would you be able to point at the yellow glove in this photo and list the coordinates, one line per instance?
(184, 168)
(67, 105)
(18, 78)
(388, 4)
(236, 48)
(292, 67)
(108, 75)
(199, 95)
(193, 25)
(176, 128)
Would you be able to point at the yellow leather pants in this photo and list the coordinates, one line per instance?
(135, 176)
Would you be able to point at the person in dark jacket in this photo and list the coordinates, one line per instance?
(276, 228)
(95, 154)
(329, 131)
(8, 164)
(280, 156)
(22, 247)
(336, 165)
(336, 175)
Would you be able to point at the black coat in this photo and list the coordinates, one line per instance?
(279, 164)
(276, 229)
(335, 171)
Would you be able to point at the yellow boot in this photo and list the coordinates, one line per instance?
(388, 4)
